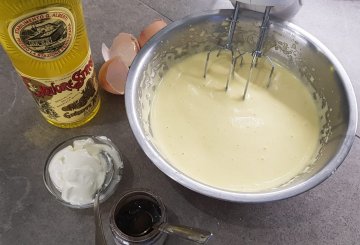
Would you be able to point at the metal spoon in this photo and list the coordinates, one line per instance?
(99, 232)
(189, 233)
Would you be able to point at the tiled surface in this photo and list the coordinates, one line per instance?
(327, 214)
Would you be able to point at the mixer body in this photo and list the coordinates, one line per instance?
(283, 9)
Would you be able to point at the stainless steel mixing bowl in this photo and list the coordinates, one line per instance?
(288, 45)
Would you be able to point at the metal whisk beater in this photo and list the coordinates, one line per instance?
(236, 54)
(257, 53)
(228, 46)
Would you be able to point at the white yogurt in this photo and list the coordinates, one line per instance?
(79, 170)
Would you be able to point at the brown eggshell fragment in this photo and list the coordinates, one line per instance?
(126, 46)
(102, 77)
(113, 75)
(150, 31)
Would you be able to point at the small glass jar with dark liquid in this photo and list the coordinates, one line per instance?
(134, 217)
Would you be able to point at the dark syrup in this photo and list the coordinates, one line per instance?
(138, 217)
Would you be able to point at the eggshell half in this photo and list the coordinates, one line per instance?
(113, 75)
(126, 46)
(149, 31)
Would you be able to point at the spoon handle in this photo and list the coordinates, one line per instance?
(189, 233)
(99, 233)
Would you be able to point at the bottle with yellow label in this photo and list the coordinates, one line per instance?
(47, 43)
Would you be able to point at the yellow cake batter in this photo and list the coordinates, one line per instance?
(223, 141)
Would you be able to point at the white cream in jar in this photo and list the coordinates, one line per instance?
(223, 141)
(79, 170)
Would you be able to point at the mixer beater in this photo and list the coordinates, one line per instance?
(258, 52)
(228, 46)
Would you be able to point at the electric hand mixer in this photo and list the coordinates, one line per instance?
(258, 52)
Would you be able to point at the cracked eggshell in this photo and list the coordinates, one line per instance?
(105, 52)
(150, 31)
(126, 46)
(113, 74)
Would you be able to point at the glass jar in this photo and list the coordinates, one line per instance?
(133, 217)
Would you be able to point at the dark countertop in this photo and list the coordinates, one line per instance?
(327, 214)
